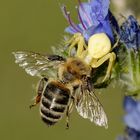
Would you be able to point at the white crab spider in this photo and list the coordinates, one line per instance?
(96, 53)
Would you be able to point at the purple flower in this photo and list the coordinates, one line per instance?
(132, 134)
(94, 17)
(130, 33)
(132, 117)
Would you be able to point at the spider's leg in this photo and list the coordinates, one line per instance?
(78, 40)
(84, 54)
(116, 44)
(67, 42)
(73, 44)
(81, 46)
(111, 57)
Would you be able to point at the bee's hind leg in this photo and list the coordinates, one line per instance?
(69, 111)
(40, 89)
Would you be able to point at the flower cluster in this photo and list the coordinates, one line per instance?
(129, 56)
(131, 119)
(129, 61)
(130, 33)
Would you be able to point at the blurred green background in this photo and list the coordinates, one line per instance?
(36, 25)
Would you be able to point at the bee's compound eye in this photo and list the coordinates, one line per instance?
(98, 45)
(67, 76)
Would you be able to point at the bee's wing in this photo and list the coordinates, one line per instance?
(89, 107)
(36, 64)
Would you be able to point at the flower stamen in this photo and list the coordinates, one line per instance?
(67, 15)
(80, 19)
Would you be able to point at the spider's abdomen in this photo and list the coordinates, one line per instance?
(98, 45)
(54, 101)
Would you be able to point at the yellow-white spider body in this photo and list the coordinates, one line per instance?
(98, 45)
(96, 53)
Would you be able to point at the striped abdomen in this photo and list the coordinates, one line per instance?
(54, 102)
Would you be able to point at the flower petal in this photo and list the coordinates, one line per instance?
(132, 120)
(70, 30)
(85, 12)
(103, 27)
(129, 104)
(130, 33)
(108, 30)
(132, 134)
(99, 9)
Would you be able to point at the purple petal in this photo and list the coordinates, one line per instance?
(132, 120)
(129, 104)
(89, 32)
(132, 134)
(121, 138)
(103, 27)
(130, 33)
(70, 30)
(107, 29)
(85, 12)
(80, 27)
(99, 9)
(138, 107)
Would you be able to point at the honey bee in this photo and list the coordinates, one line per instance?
(65, 83)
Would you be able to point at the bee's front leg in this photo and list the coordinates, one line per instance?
(40, 88)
